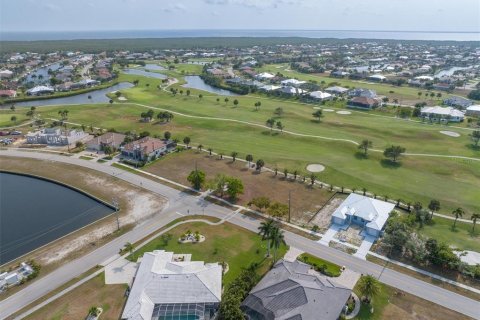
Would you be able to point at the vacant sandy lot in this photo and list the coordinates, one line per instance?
(323, 218)
(305, 201)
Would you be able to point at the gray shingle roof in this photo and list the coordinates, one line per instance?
(291, 291)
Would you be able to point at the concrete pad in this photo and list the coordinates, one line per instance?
(347, 279)
(364, 248)
(315, 168)
(292, 254)
(120, 271)
(329, 234)
(451, 133)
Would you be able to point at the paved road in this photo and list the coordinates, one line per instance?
(182, 202)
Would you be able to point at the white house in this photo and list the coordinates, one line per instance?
(39, 90)
(320, 96)
(372, 214)
(290, 90)
(442, 114)
(336, 90)
(377, 77)
(55, 136)
(473, 110)
(4, 74)
(264, 76)
(292, 83)
(169, 286)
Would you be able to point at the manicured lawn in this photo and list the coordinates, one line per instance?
(224, 243)
(331, 268)
(6, 115)
(395, 304)
(75, 304)
(462, 237)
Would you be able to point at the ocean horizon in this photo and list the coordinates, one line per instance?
(336, 34)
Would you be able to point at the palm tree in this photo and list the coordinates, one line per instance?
(210, 151)
(249, 158)
(234, 155)
(277, 240)
(312, 179)
(285, 172)
(280, 126)
(369, 287)
(200, 147)
(458, 213)
(434, 205)
(474, 218)
(129, 247)
(265, 230)
(186, 140)
(295, 174)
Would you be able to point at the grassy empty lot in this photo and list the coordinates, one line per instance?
(224, 243)
(462, 237)
(305, 201)
(395, 304)
(75, 304)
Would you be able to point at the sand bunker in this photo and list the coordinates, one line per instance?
(450, 134)
(315, 168)
(122, 98)
(328, 110)
(344, 112)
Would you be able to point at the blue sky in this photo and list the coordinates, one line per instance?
(408, 15)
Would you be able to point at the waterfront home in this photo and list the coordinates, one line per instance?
(363, 103)
(40, 90)
(145, 149)
(473, 111)
(371, 214)
(109, 139)
(8, 93)
(292, 290)
(442, 114)
(169, 286)
(55, 136)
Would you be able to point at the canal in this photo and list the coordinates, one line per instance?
(34, 212)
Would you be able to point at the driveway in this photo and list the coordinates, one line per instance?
(364, 248)
(329, 234)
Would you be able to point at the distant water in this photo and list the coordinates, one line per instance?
(339, 34)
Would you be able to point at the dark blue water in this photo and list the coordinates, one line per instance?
(96, 96)
(339, 34)
(142, 72)
(195, 82)
(34, 212)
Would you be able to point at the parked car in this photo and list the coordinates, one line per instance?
(16, 133)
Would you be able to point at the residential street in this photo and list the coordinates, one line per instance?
(183, 203)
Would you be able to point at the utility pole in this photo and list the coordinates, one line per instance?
(289, 204)
(116, 206)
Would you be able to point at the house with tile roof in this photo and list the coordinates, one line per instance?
(145, 149)
(371, 214)
(294, 291)
(170, 286)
